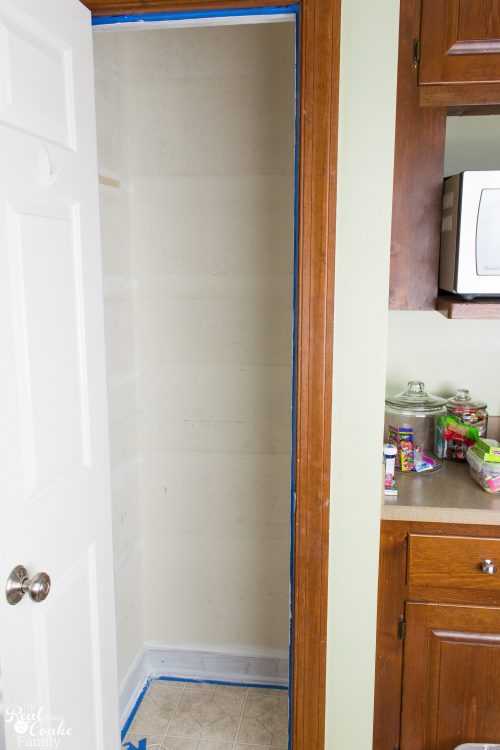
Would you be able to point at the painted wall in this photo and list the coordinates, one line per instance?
(366, 146)
(210, 147)
(120, 356)
(448, 354)
(444, 353)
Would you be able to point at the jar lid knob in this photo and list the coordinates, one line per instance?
(463, 394)
(416, 386)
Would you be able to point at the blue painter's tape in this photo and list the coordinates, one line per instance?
(222, 682)
(294, 370)
(132, 714)
(189, 15)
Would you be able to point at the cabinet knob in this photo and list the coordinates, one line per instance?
(488, 567)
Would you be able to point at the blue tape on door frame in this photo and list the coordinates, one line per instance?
(190, 15)
(294, 373)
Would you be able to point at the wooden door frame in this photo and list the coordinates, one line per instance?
(319, 43)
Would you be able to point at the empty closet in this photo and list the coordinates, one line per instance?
(196, 148)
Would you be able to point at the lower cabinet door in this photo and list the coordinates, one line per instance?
(451, 676)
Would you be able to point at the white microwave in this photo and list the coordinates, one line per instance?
(470, 235)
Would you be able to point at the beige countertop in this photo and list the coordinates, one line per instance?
(449, 495)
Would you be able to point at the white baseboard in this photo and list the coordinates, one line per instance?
(158, 660)
(132, 685)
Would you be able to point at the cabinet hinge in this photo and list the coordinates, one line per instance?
(416, 53)
(401, 628)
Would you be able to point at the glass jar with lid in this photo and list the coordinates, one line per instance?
(466, 421)
(413, 423)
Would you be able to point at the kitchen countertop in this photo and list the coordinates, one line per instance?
(449, 495)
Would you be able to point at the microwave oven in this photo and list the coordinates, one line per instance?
(470, 235)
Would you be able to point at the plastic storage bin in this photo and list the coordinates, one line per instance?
(487, 475)
(478, 746)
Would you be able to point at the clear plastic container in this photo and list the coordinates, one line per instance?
(486, 473)
(413, 422)
(478, 746)
(466, 421)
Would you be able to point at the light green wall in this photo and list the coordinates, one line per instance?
(445, 354)
(366, 145)
(472, 142)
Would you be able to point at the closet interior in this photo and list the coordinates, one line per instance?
(196, 149)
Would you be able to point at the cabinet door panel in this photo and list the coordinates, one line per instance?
(451, 676)
(460, 41)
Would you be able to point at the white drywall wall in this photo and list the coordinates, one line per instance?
(118, 315)
(210, 144)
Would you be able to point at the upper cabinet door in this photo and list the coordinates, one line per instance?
(460, 52)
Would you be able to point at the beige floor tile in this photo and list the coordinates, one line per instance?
(164, 696)
(184, 725)
(267, 691)
(191, 700)
(169, 683)
(209, 712)
(231, 689)
(275, 720)
(258, 705)
(280, 739)
(173, 743)
(154, 722)
(222, 729)
(200, 686)
(252, 732)
(230, 703)
(205, 716)
(147, 706)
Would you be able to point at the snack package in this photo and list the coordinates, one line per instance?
(406, 449)
(393, 439)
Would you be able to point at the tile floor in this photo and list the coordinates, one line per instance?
(203, 716)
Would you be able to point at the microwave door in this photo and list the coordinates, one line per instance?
(488, 233)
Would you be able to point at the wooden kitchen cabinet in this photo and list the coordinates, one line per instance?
(451, 676)
(445, 46)
(459, 52)
(438, 637)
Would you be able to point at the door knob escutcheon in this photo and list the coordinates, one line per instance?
(19, 583)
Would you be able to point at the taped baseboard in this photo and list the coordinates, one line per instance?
(132, 685)
(159, 660)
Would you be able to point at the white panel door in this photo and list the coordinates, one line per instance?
(57, 657)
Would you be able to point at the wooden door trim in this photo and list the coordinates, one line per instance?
(319, 29)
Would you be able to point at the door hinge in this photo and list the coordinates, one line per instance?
(416, 53)
(401, 628)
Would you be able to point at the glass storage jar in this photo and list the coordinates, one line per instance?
(413, 423)
(466, 421)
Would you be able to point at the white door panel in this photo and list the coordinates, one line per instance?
(58, 655)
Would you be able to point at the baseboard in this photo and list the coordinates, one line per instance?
(208, 664)
(132, 686)
(158, 660)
